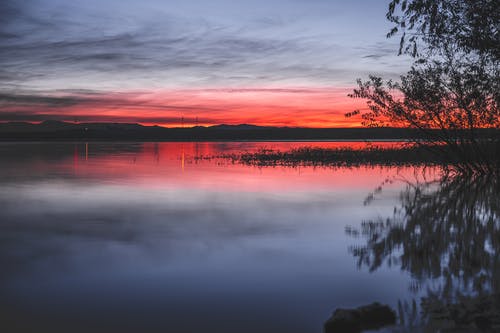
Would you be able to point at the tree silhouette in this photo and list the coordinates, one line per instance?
(454, 82)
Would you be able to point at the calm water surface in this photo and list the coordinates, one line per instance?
(152, 237)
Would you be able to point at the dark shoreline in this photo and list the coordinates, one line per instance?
(62, 131)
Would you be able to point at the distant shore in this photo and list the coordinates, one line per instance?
(65, 131)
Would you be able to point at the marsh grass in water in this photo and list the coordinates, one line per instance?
(409, 154)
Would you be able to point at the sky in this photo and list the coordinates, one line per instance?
(263, 62)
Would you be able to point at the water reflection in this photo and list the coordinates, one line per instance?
(147, 237)
(446, 234)
(153, 237)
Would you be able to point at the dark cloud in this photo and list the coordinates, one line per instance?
(18, 21)
(203, 55)
(13, 99)
(41, 47)
(88, 105)
(30, 116)
(379, 50)
(10, 10)
(374, 56)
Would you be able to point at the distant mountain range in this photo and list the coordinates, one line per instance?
(58, 130)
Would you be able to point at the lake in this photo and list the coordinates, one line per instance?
(169, 237)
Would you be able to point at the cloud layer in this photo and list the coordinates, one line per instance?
(102, 50)
(312, 107)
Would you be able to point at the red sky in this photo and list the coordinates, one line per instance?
(277, 63)
(295, 107)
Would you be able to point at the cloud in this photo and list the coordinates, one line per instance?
(52, 52)
(201, 57)
(29, 116)
(60, 59)
(14, 99)
(299, 106)
(51, 46)
(87, 99)
(10, 9)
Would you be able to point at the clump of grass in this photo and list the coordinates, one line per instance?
(337, 157)
(409, 154)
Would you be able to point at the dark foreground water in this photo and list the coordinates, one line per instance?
(147, 237)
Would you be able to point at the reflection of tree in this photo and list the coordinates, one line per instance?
(446, 231)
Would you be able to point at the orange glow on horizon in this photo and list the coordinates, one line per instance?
(292, 107)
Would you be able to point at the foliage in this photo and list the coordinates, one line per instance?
(454, 83)
(470, 24)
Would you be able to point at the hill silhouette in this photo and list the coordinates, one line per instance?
(58, 130)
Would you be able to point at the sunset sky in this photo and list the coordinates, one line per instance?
(264, 62)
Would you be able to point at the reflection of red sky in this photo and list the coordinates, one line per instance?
(307, 107)
(173, 165)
